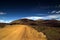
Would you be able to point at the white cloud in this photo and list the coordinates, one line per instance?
(55, 16)
(1, 21)
(5, 21)
(34, 17)
(55, 12)
(58, 12)
(8, 21)
(2, 13)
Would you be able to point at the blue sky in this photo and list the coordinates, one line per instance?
(32, 9)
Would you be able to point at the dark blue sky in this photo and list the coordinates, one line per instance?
(16, 9)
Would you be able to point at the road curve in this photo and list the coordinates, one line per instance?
(20, 32)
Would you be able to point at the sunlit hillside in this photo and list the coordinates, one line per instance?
(20, 32)
(51, 28)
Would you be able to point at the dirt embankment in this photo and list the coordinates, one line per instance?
(20, 32)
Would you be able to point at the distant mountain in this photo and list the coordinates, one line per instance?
(3, 25)
(52, 23)
(51, 28)
(24, 21)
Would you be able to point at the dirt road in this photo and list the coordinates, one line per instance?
(20, 32)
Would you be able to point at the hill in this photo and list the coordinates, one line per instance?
(51, 28)
(3, 25)
(24, 21)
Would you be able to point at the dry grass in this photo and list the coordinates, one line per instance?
(52, 33)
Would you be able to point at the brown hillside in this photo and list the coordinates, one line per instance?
(23, 21)
(3, 25)
(20, 32)
(51, 23)
(51, 28)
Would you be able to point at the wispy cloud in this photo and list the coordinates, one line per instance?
(58, 12)
(54, 12)
(34, 17)
(55, 16)
(2, 13)
(40, 14)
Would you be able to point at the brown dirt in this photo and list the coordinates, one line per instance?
(20, 32)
